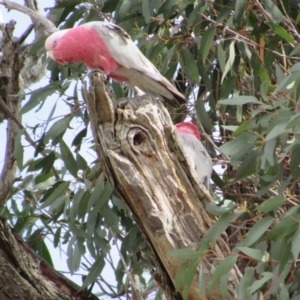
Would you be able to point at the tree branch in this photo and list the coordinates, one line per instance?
(48, 26)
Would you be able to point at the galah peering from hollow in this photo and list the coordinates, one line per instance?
(194, 150)
(106, 46)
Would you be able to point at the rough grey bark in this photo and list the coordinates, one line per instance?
(138, 146)
(33, 68)
(10, 105)
(24, 276)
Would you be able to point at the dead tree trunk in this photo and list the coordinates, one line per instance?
(138, 146)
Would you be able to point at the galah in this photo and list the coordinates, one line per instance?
(195, 152)
(106, 46)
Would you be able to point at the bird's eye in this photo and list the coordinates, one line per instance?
(55, 43)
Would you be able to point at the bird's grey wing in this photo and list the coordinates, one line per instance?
(198, 157)
(123, 50)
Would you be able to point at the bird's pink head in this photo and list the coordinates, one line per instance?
(188, 128)
(83, 43)
(54, 43)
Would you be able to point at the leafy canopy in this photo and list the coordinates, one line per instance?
(238, 64)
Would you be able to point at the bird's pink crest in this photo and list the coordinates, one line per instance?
(188, 128)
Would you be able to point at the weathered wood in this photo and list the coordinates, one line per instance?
(139, 148)
(23, 275)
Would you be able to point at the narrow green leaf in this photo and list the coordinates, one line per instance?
(259, 69)
(95, 195)
(239, 11)
(202, 281)
(224, 267)
(286, 226)
(245, 283)
(24, 223)
(276, 131)
(293, 121)
(224, 285)
(251, 252)
(37, 96)
(110, 216)
(230, 127)
(101, 204)
(61, 189)
(257, 231)
(274, 11)
(296, 244)
(55, 205)
(79, 137)
(68, 158)
(185, 276)
(58, 128)
(44, 180)
(259, 283)
(185, 254)
(70, 252)
(248, 166)
(216, 230)
(19, 150)
(188, 63)
(243, 142)
(221, 57)
(284, 293)
(271, 204)
(146, 10)
(295, 161)
(76, 258)
(227, 87)
(123, 9)
(203, 116)
(264, 90)
(94, 272)
(281, 32)
(268, 155)
(193, 15)
(230, 61)
(44, 253)
(40, 146)
(81, 162)
(57, 237)
(52, 111)
(83, 204)
(46, 163)
(207, 42)
(240, 100)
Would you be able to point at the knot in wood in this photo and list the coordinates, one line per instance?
(139, 138)
(140, 142)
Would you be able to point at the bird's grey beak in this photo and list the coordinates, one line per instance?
(50, 53)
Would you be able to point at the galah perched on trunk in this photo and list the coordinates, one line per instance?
(108, 47)
(194, 150)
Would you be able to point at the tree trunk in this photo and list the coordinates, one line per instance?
(139, 147)
(24, 275)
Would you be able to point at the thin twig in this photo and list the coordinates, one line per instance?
(134, 286)
(28, 138)
(245, 39)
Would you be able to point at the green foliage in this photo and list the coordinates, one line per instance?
(237, 63)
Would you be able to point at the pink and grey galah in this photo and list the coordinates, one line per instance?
(195, 152)
(106, 46)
